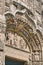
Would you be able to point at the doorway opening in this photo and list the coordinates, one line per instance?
(10, 61)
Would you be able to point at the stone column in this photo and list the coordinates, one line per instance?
(2, 39)
(2, 32)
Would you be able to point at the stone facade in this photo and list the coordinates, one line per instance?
(21, 31)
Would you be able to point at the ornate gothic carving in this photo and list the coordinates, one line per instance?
(18, 25)
(16, 41)
(23, 18)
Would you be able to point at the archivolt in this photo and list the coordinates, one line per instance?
(21, 27)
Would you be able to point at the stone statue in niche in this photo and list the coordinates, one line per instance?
(9, 38)
(22, 44)
(15, 40)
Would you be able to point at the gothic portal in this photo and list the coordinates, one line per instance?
(21, 32)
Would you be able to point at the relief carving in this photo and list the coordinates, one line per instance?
(16, 41)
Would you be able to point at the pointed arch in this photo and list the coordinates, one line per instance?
(22, 28)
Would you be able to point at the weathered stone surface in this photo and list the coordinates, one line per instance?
(30, 11)
(2, 3)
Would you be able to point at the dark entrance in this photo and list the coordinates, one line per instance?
(10, 61)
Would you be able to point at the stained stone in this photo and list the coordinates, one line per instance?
(2, 32)
(1, 6)
(29, 12)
